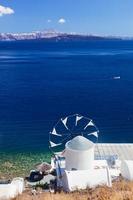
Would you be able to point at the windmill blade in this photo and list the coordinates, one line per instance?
(64, 121)
(52, 144)
(77, 119)
(94, 133)
(55, 133)
(89, 124)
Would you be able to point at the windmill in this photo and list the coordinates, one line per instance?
(69, 127)
(72, 141)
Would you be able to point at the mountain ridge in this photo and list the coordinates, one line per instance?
(54, 35)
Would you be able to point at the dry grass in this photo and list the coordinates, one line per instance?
(120, 190)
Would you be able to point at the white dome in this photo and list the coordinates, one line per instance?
(79, 143)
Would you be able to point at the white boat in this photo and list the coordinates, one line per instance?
(116, 77)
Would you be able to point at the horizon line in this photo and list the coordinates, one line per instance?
(71, 33)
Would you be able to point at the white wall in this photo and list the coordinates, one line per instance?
(81, 179)
(127, 169)
(9, 191)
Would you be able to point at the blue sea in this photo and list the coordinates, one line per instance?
(42, 81)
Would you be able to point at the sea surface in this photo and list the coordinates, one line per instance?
(40, 82)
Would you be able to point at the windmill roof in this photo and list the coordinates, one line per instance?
(79, 143)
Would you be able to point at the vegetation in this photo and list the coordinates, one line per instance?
(13, 165)
(121, 190)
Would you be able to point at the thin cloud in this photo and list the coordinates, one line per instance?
(61, 21)
(49, 21)
(5, 11)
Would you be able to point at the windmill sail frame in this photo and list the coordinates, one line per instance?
(70, 132)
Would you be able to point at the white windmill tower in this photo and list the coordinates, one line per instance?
(79, 154)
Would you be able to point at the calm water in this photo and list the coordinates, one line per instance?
(41, 82)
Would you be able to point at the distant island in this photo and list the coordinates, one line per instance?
(55, 36)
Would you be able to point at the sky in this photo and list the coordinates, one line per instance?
(100, 17)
